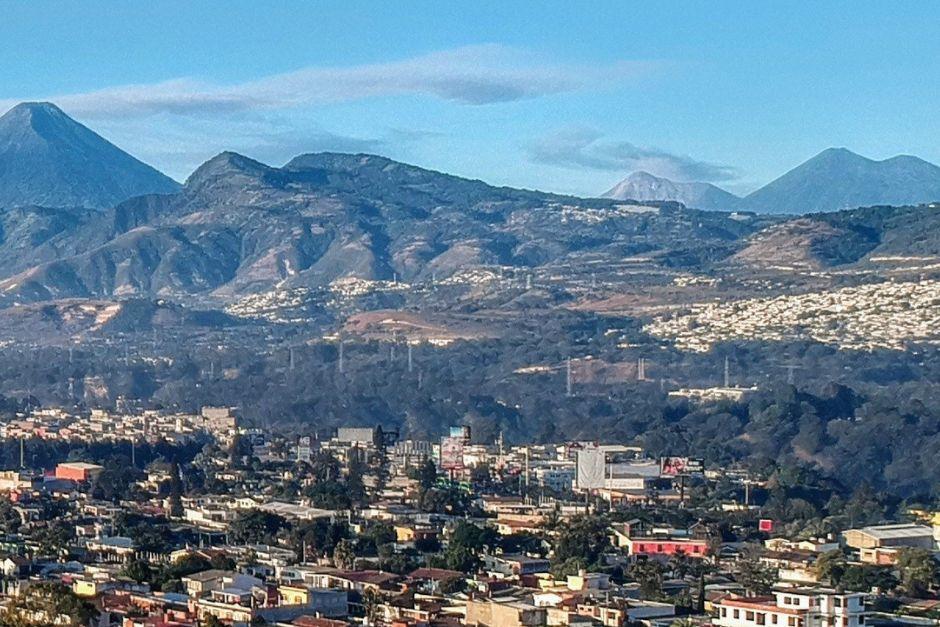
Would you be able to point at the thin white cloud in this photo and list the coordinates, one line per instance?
(185, 143)
(473, 75)
(584, 147)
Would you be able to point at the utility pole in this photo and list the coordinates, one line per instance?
(410, 363)
(340, 361)
(292, 358)
(727, 373)
(568, 377)
(527, 472)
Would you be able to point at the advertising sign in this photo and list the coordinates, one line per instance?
(591, 469)
(674, 466)
(452, 453)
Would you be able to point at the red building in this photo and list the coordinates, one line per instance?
(78, 471)
(652, 547)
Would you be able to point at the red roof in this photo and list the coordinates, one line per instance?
(439, 574)
(316, 621)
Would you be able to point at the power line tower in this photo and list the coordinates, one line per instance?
(791, 367)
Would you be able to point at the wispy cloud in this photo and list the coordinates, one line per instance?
(184, 143)
(472, 75)
(584, 147)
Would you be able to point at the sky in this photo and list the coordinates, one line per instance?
(560, 96)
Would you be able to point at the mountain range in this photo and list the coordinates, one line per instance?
(239, 227)
(834, 179)
(49, 159)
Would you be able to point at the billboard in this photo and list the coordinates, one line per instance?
(591, 468)
(452, 453)
(675, 466)
(765, 524)
(462, 431)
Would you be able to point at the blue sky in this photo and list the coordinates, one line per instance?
(561, 96)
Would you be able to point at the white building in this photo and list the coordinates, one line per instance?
(793, 607)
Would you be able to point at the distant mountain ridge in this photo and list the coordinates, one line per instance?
(49, 159)
(239, 226)
(644, 186)
(838, 178)
(833, 180)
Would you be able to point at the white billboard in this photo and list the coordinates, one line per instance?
(592, 467)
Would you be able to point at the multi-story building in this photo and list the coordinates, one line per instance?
(793, 607)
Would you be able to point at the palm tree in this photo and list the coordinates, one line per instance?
(371, 600)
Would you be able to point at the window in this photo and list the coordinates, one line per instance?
(737, 614)
(791, 621)
(837, 601)
(773, 619)
(749, 616)
(761, 619)
(724, 612)
(861, 620)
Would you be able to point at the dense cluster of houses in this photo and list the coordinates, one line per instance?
(186, 562)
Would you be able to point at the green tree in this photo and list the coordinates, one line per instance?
(371, 600)
(221, 561)
(649, 574)
(138, 570)
(830, 566)
(756, 577)
(176, 492)
(10, 520)
(256, 526)
(344, 555)
(46, 603)
(426, 474)
(583, 538)
(918, 572)
(317, 538)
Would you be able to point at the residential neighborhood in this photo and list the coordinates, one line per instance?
(235, 526)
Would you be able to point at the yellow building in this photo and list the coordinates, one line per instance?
(294, 595)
